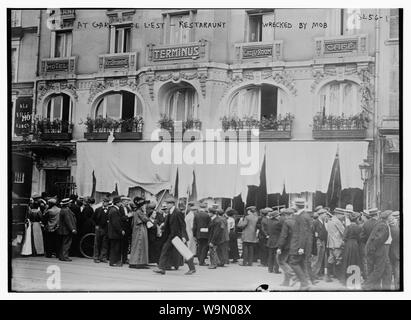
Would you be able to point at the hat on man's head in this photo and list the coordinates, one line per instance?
(105, 199)
(125, 198)
(191, 203)
(170, 200)
(213, 210)
(273, 214)
(396, 214)
(354, 216)
(52, 200)
(339, 211)
(349, 207)
(299, 202)
(373, 212)
(116, 199)
(35, 196)
(322, 211)
(65, 201)
(203, 205)
(266, 210)
(385, 214)
(317, 208)
(251, 208)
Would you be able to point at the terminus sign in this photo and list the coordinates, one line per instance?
(175, 53)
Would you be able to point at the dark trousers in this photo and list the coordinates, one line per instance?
(214, 259)
(166, 255)
(115, 251)
(100, 244)
(125, 244)
(51, 242)
(202, 250)
(272, 261)
(395, 266)
(263, 250)
(298, 264)
(381, 274)
(248, 253)
(233, 246)
(65, 243)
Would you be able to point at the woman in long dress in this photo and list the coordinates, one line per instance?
(351, 255)
(233, 245)
(33, 238)
(139, 237)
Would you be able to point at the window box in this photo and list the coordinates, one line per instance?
(340, 134)
(56, 136)
(128, 135)
(53, 130)
(96, 135)
(267, 134)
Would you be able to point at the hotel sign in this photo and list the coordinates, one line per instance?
(176, 53)
(57, 66)
(340, 46)
(22, 116)
(257, 52)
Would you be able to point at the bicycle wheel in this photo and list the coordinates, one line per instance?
(87, 245)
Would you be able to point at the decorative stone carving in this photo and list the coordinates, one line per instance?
(99, 86)
(56, 87)
(284, 78)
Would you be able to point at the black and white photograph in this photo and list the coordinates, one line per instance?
(204, 149)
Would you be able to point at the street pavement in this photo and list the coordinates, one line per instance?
(36, 273)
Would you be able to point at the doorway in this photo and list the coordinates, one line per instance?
(58, 183)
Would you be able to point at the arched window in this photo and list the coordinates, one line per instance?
(59, 110)
(337, 98)
(182, 104)
(121, 105)
(258, 102)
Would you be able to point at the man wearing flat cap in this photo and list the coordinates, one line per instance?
(301, 243)
(51, 223)
(67, 227)
(377, 251)
(248, 224)
(367, 227)
(273, 231)
(174, 226)
(200, 232)
(115, 233)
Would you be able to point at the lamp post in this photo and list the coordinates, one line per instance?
(365, 176)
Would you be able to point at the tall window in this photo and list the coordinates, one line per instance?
(59, 108)
(119, 106)
(182, 104)
(258, 102)
(13, 64)
(259, 29)
(255, 28)
(63, 43)
(122, 39)
(178, 34)
(337, 98)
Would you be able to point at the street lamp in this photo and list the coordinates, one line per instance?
(365, 169)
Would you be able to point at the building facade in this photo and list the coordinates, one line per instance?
(309, 79)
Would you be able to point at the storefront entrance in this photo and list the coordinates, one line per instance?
(58, 183)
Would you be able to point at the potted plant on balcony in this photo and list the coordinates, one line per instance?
(191, 129)
(276, 127)
(131, 129)
(166, 124)
(98, 128)
(53, 130)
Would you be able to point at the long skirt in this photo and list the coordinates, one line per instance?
(351, 255)
(33, 239)
(233, 250)
(139, 246)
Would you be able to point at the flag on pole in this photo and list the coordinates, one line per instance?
(334, 186)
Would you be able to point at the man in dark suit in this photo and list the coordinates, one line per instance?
(272, 228)
(125, 211)
(67, 227)
(283, 245)
(75, 206)
(377, 251)
(262, 237)
(200, 232)
(100, 218)
(320, 241)
(174, 226)
(115, 233)
(216, 237)
(368, 226)
(301, 243)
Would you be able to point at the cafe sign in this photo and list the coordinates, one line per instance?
(23, 115)
(340, 46)
(257, 52)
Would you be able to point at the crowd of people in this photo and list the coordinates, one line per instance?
(358, 249)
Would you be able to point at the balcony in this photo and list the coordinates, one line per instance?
(58, 66)
(126, 62)
(100, 128)
(341, 46)
(189, 130)
(193, 51)
(53, 130)
(340, 127)
(259, 51)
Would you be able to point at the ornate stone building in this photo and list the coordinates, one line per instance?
(307, 78)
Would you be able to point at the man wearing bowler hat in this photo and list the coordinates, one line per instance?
(200, 232)
(51, 225)
(368, 226)
(115, 233)
(174, 225)
(100, 218)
